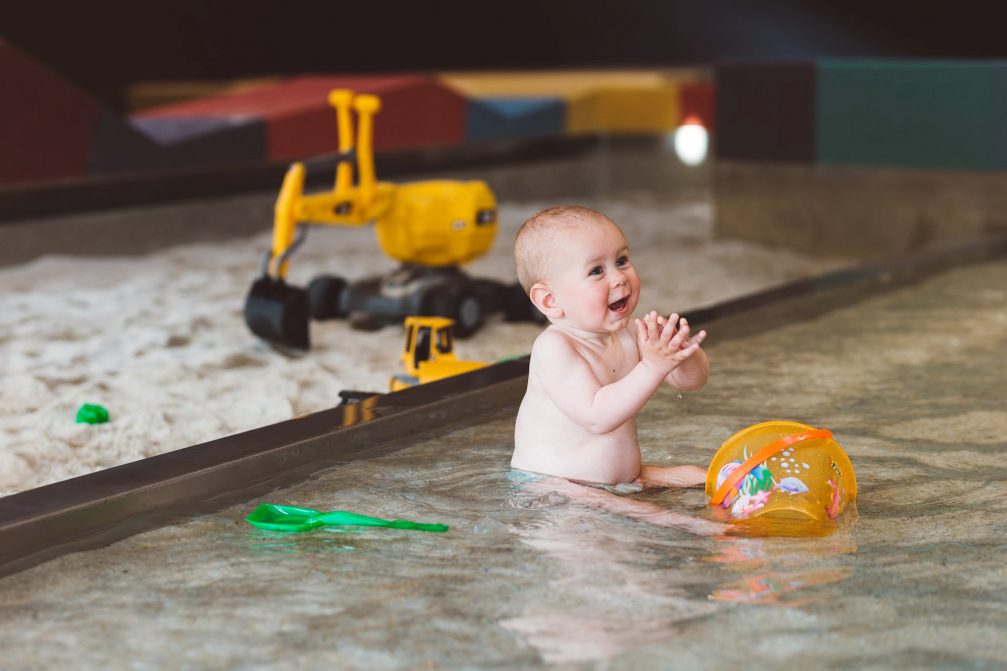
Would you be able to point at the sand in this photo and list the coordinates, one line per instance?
(159, 340)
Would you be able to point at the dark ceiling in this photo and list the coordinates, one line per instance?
(106, 46)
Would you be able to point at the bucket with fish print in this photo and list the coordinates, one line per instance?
(781, 469)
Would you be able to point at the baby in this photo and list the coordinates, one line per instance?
(595, 367)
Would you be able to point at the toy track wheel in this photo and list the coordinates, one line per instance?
(519, 308)
(324, 294)
(468, 315)
(463, 307)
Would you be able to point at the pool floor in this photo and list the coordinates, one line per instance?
(911, 383)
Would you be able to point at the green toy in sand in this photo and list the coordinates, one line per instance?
(90, 413)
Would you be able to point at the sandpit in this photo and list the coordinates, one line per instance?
(159, 339)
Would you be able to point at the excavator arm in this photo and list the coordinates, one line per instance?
(274, 310)
(346, 204)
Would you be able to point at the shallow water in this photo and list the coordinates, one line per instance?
(911, 383)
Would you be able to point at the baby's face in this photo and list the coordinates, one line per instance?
(592, 279)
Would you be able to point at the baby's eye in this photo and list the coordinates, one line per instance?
(597, 270)
(622, 261)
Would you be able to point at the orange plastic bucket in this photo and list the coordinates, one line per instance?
(781, 469)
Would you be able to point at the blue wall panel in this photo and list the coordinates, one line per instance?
(495, 118)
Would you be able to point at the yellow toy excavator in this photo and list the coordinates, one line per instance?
(429, 353)
(430, 227)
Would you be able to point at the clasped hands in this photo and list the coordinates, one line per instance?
(665, 343)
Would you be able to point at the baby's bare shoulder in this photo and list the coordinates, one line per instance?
(554, 348)
(552, 340)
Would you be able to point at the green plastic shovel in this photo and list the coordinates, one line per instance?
(275, 517)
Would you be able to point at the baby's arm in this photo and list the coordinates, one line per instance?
(575, 389)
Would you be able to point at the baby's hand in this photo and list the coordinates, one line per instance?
(684, 324)
(664, 343)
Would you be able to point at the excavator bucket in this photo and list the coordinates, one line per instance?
(278, 313)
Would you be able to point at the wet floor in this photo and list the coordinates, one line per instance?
(911, 383)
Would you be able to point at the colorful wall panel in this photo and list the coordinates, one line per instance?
(513, 118)
(916, 114)
(612, 101)
(46, 123)
(624, 109)
(416, 112)
(697, 100)
(51, 130)
(174, 144)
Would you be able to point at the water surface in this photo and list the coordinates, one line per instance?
(911, 383)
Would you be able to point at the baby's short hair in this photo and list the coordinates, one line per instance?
(532, 244)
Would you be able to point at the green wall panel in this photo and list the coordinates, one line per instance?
(920, 114)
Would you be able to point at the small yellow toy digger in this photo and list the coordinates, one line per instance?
(429, 353)
(430, 227)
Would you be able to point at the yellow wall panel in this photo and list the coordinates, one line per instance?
(564, 84)
(625, 110)
(597, 101)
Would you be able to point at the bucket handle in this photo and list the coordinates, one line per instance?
(735, 476)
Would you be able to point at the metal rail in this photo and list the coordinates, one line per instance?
(100, 508)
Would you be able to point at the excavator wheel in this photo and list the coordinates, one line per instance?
(468, 314)
(324, 293)
(464, 307)
(278, 313)
(519, 308)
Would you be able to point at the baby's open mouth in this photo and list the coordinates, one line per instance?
(619, 305)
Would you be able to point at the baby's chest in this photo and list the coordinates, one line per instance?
(613, 364)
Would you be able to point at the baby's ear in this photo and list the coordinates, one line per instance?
(541, 295)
